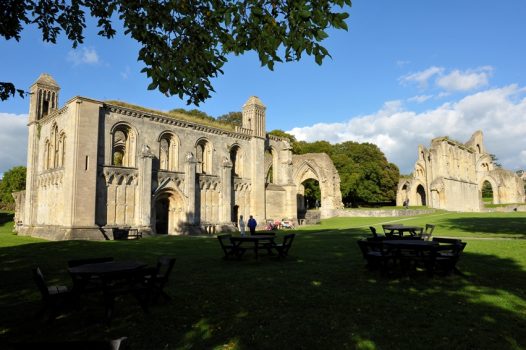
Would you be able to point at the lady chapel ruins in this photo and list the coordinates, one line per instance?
(94, 166)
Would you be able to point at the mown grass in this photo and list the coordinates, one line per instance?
(320, 297)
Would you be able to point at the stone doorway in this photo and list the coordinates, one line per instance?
(162, 206)
(487, 193)
(168, 213)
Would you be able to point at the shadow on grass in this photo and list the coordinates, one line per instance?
(508, 225)
(319, 297)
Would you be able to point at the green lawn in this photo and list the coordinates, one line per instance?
(320, 297)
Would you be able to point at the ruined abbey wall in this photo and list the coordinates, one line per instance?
(94, 166)
(450, 175)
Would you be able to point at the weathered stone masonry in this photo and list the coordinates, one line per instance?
(93, 166)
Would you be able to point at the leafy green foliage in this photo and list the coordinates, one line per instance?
(235, 118)
(14, 180)
(487, 190)
(312, 193)
(185, 43)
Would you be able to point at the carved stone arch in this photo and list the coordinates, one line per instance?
(237, 157)
(318, 166)
(121, 179)
(46, 156)
(203, 154)
(484, 163)
(168, 210)
(495, 184)
(169, 146)
(123, 144)
(54, 146)
(61, 148)
(109, 178)
(419, 169)
(130, 180)
(271, 164)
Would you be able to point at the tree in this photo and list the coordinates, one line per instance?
(235, 118)
(495, 161)
(185, 43)
(14, 180)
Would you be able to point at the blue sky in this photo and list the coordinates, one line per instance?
(405, 72)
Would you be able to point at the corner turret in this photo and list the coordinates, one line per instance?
(44, 97)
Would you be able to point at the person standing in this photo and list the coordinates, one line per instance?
(252, 223)
(241, 225)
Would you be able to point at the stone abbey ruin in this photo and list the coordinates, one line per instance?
(95, 166)
(450, 176)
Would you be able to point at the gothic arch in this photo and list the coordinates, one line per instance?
(237, 157)
(123, 138)
(203, 155)
(271, 159)
(320, 168)
(169, 146)
(168, 211)
(494, 186)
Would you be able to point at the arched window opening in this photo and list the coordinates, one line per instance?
(421, 195)
(123, 147)
(271, 162)
(203, 152)
(46, 155)
(237, 161)
(61, 150)
(164, 155)
(168, 152)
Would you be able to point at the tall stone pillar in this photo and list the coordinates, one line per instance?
(145, 189)
(189, 170)
(226, 192)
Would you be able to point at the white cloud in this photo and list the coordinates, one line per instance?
(126, 73)
(422, 77)
(84, 55)
(464, 81)
(13, 140)
(499, 113)
(419, 98)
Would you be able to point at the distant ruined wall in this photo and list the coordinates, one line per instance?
(450, 175)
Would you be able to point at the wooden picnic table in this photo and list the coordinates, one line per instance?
(255, 240)
(400, 229)
(114, 278)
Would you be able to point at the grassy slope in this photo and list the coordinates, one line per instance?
(321, 297)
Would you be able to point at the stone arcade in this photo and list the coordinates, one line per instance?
(94, 166)
(450, 175)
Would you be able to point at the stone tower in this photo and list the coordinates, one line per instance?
(44, 97)
(254, 120)
(254, 116)
(44, 100)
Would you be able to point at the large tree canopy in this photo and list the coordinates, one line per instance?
(13, 180)
(185, 42)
